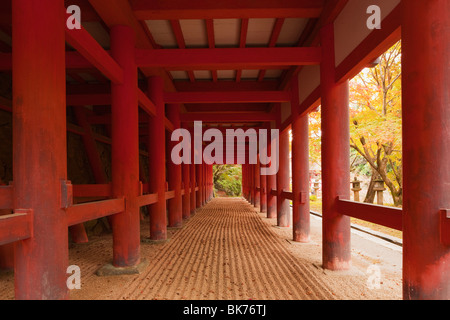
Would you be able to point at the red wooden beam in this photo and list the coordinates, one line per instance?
(89, 48)
(227, 117)
(92, 190)
(206, 9)
(227, 58)
(147, 199)
(273, 40)
(269, 85)
(377, 42)
(226, 107)
(15, 227)
(242, 42)
(227, 97)
(79, 213)
(386, 216)
(331, 10)
(99, 99)
(146, 104)
(119, 12)
(176, 28)
(211, 42)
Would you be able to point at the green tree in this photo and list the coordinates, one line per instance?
(228, 178)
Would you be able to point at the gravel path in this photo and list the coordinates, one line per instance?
(225, 251)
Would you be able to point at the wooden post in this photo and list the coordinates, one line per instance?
(426, 149)
(283, 209)
(336, 252)
(39, 146)
(125, 150)
(157, 168)
(300, 179)
(174, 173)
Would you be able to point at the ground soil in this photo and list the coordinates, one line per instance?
(227, 250)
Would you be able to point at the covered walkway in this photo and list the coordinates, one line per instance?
(129, 78)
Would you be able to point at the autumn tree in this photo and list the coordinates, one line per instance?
(375, 127)
(228, 178)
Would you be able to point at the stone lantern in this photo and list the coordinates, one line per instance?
(356, 188)
(379, 188)
(316, 187)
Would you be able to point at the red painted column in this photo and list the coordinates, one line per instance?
(187, 196)
(336, 252)
(300, 179)
(257, 185)
(39, 146)
(194, 179)
(204, 183)
(199, 172)
(426, 150)
(125, 150)
(244, 181)
(157, 165)
(174, 172)
(283, 208)
(252, 184)
(263, 193)
(271, 185)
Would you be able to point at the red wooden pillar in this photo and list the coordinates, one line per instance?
(257, 185)
(271, 185)
(283, 208)
(39, 146)
(263, 179)
(252, 184)
(263, 193)
(204, 182)
(244, 181)
(125, 150)
(199, 179)
(194, 177)
(335, 159)
(300, 179)
(157, 169)
(426, 151)
(187, 195)
(174, 173)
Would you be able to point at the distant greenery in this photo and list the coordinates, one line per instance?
(228, 179)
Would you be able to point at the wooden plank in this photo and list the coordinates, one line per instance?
(90, 49)
(16, 226)
(228, 97)
(147, 199)
(228, 58)
(230, 9)
(386, 216)
(93, 210)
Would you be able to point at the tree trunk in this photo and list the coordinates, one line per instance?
(370, 195)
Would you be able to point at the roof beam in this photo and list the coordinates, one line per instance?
(227, 117)
(273, 40)
(227, 107)
(227, 97)
(227, 58)
(119, 12)
(90, 49)
(230, 9)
